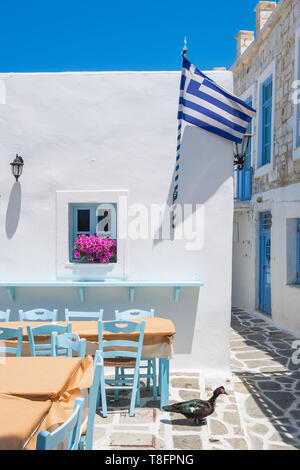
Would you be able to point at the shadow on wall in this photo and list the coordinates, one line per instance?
(200, 173)
(13, 210)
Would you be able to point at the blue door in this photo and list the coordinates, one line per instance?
(265, 262)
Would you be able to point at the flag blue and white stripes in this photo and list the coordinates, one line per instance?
(206, 104)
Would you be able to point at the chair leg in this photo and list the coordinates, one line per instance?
(164, 400)
(117, 383)
(159, 378)
(123, 376)
(135, 392)
(148, 373)
(138, 395)
(98, 398)
(154, 379)
(81, 445)
(103, 397)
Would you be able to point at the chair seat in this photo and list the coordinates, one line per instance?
(119, 362)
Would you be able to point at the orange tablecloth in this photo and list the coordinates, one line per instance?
(19, 420)
(56, 381)
(157, 330)
(158, 335)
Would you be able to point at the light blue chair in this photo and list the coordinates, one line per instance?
(11, 333)
(69, 315)
(44, 330)
(151, 362)
(4, 316)
(98, 385)
(49, 440)
(116, 354)
(64, 344)
(38, 314)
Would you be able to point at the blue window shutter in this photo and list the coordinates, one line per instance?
(82, 222)
(267, 93)
(244, 176)
(247, 184)
(298, 253)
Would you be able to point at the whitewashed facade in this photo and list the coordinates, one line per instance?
(110, 138)
(266, 253)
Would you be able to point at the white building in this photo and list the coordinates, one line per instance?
(266, 243)
(105, 143)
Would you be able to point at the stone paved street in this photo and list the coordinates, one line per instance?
(266, 382)
(262, 410)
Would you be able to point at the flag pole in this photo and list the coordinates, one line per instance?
(176, 177)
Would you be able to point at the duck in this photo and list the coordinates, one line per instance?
(197, 409)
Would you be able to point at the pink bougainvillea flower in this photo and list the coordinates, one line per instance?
(95, 248)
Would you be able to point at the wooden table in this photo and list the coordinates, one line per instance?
(48, 387)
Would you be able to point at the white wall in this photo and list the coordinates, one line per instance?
(284, 204)
(243, 262)
(117, 131)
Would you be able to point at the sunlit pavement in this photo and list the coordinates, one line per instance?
(262, 410)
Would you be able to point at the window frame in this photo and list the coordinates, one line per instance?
(73, 225)
(65, 270)
(259, 169)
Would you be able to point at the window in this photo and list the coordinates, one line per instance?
(293, 251)
(266, 121)
(90, 219)
(298, 253)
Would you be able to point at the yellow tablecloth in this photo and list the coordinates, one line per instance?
(19, 420)
(158, 335)
(54, 381)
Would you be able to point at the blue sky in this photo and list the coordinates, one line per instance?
(57, 35)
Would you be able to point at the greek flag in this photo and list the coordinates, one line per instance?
(207, 105)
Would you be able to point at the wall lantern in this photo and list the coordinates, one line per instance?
(17, 167)
(240, 151)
